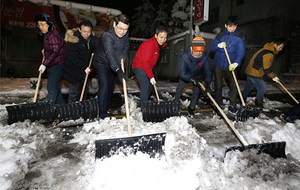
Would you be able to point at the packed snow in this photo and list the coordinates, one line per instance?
(39, 156)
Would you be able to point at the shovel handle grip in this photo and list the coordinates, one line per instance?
(39, 81)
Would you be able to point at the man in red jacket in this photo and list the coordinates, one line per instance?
(145, 59)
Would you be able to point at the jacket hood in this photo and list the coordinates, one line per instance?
(43, 17)
(69, 36)
(270, 46)
(73, 35)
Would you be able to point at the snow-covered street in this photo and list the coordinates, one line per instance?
(43, 156)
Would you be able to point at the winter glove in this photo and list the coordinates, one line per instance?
(152, 81)
(42, 68)
(275, 79)
(221, 45)
(208, 89)
(121, 75)
(195, 81)
(87, 70)
(233, 66)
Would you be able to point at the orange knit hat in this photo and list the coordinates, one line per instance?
(198, 44)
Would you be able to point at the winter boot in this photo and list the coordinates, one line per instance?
(259, 103)
(191, 112)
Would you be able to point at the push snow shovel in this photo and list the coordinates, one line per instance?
(275, 149)
(158, 111)
(288, 92)
(87, 109)
(151, 144)
(244, 112)
(32, 111)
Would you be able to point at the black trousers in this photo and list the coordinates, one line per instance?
(76, 89)
(219, 72)
(195, 96)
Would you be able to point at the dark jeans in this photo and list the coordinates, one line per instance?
(219, 72)
(54, 74)
(294, 112)
(145, 85)
(259, 85)
(195, 96)
(106, 81)
(75, 90)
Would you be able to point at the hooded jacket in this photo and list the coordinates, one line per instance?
(147, 56)
(111, 49)
(235, 44)
(261, 62)
(190, 66)
(79, 52)
(54, 45)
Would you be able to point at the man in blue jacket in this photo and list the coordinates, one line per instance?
(112, 48)
(192, 62)
(234, 40)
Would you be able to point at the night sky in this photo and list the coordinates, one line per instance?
(125, 6)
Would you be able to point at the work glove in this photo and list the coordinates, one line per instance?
(121, 75)
(233, 66)
(152, 81)
(87, 70)
(195, 81)
(208, 88)
(275, 79)
(42, 68)
(221, 45)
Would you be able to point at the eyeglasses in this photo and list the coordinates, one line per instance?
(122, 29)
(41, 25)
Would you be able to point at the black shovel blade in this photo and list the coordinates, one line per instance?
(245, 113)
(33, 111)
(159, 111)
(152, 144)
(275, 149)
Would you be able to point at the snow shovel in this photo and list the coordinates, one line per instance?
(159, 111)
(87, 109)
(275, 149)
(32, 111)
(151, 144)
(288, 92)
(244, 112)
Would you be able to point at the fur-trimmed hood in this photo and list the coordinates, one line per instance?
(69, 36)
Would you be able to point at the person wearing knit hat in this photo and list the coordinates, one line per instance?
(193, 63)
(54, 53)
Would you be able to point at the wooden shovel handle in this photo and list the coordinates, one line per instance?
(39, 81)
(288, 92)
(224, 115)
(85, 80)
(156, 92)
(233, 74)
(126, 101)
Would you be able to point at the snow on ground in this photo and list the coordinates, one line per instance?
(38, 156)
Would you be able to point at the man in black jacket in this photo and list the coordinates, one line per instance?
(112, 48)
(80, 46)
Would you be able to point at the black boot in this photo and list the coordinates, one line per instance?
(191, 112)
(259, 103)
